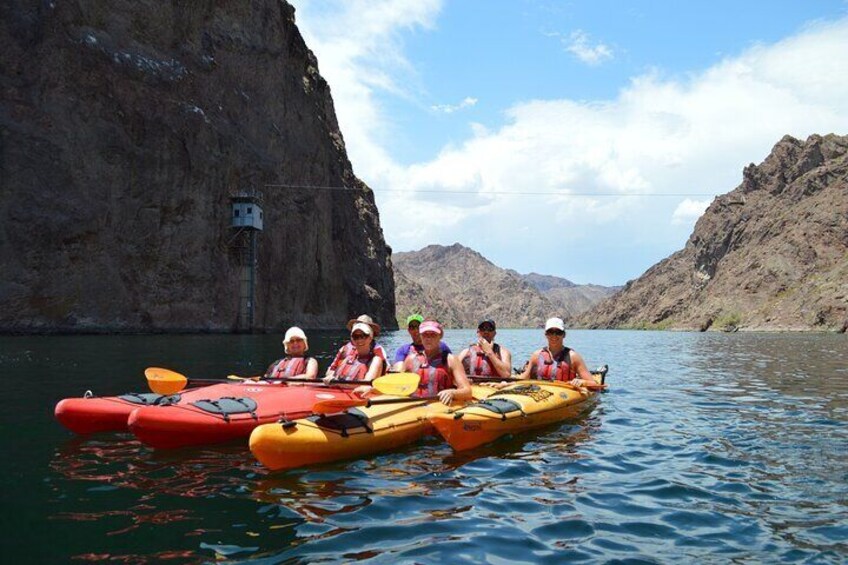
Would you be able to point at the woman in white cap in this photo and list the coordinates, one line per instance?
(295, 365)
(556, 362)
(360, 360)
(345, 350)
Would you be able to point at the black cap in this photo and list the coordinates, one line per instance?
(490, 322)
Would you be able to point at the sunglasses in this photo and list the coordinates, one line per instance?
(357, 337)
(486, 329)
(414, 326)
(554, 332)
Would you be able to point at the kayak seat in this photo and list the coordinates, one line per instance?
(227, 406)
(150, 398)
(341, 423)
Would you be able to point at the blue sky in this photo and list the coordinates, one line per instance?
(626, 118)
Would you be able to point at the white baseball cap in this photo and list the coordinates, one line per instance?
(554, 324)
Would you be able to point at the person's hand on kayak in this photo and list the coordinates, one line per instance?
(363, 391)
(446, 396)
(329, 379)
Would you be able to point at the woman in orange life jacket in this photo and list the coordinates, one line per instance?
(557, 362)
(295, 365)
(441, 373)
(486, 358)
(362, 362)
(346, 350)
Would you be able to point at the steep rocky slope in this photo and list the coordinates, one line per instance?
(126, 127)
(772, 254)
(459, 287)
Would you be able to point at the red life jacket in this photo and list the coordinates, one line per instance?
(549, 369)
(434, 373)
(287, 367)
(354, 367)
(477, 364)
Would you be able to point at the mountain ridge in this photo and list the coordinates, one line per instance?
(459, 286)
(772, 254)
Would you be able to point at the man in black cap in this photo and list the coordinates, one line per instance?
(486, 358)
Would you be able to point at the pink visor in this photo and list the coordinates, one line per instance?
(429, 326)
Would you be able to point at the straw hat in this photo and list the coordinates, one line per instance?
(365, 319)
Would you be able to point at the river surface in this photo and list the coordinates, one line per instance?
(708, 448)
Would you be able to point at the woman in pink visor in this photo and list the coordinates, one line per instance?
(441, 373)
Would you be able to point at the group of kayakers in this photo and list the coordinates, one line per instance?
(442, 373)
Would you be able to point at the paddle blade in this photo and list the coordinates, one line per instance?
(398, 384)
(337, 405)
(164, 381)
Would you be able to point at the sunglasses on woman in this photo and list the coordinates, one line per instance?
(554, 332)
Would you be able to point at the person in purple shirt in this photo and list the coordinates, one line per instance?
(412, 323)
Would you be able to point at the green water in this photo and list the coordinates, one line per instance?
(709, 448)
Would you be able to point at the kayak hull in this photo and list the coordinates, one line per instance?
(323, 439)
(355, 433)
(94, 415)
(537, 404)
(186, 423)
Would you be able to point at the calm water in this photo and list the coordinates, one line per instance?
(709, 448)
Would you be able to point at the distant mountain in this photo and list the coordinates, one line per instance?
(459, 287)
(571, 299)
(771, 254)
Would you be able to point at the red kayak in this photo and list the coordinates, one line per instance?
(92, 414)
(223, 412)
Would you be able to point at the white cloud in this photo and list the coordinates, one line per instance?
(578, 44)
(688, 211)
(467, 102)
(607, 160)
(359, 46)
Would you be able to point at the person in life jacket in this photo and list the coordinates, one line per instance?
(361, 362)
(295, 365)
(345, 350)
(485, 358)
(557, 362)
(441, 373)
(412, 324)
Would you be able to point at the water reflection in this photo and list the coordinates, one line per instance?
(714, 447)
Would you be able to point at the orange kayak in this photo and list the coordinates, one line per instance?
(356, 432)
(520, 407)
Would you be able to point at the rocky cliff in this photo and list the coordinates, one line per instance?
(772, 254)
(459, 287)
(125, 127)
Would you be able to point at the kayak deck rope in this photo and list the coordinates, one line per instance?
(227, 406)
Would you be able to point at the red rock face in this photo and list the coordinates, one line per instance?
(127, 126)
(772, 254)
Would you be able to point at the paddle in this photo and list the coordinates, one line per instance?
(342, 404)
(166, 381)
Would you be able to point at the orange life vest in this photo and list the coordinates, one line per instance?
(287, 367)
(434, 373)
(477, 364)
(549, 369)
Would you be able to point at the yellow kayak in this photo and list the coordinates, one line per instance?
(523, 406)
(350, 434)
